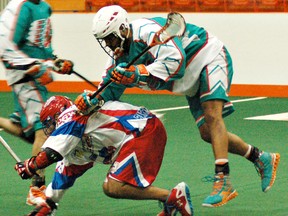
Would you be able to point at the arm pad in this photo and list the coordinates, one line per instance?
(46, 157)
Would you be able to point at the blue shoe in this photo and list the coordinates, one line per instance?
(178, 201)
(222, 192)
(266, 165)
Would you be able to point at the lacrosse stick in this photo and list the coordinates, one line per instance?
(8, 148)
(175, 27)
(82, 77)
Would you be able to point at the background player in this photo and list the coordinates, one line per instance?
(197, 65)
(130, 138)
(27, 54)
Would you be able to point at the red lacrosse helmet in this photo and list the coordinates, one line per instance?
(53, 107)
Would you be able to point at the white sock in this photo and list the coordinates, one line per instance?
(248, 151)
(221, 161)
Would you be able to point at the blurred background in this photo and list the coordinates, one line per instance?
(166, 5)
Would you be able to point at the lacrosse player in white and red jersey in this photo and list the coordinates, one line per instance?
(196, 65)
(27, 55)
(129, 138)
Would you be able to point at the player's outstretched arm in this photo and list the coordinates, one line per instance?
(28, 168)
(42, 70)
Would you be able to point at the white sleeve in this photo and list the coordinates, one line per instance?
(169, 58)
(63, 144)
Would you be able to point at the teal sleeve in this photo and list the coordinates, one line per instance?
(22, 25)
(113, 91)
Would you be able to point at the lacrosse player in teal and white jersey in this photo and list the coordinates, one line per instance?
(196, 65)
(27, 55)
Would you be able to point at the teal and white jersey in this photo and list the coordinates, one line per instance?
(176, 65)
(25, 36)
(201, 48)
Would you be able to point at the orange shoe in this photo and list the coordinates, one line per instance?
(36, 195)
(222, 192)
(47, 208)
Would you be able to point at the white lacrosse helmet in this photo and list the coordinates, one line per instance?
(108, 21)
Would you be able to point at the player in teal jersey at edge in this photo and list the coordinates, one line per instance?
(27, 55)
(196, 65)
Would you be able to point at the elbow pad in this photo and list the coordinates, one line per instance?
(46, 157)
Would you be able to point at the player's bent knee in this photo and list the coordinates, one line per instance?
(206, 138)
(110, 190)
(204, 133)
(110, 193)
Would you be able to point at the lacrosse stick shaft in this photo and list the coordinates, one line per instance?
(86, 80)
(173, 16)
(138, 56)
(129, 64)
(8, 148)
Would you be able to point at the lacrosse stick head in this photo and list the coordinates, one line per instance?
(175, 27)
(53, 107)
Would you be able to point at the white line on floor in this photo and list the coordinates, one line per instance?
(273, 117)
(186, 107)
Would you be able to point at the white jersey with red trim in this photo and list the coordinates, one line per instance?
(97, 137)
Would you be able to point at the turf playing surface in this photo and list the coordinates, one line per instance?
(187, 158)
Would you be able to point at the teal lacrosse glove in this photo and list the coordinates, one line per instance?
(86, 105)
(129, 76)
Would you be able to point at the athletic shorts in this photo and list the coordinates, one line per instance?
(138, 162)
(28, 100)
(215, 82)
(140, 159)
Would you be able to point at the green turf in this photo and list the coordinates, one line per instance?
(187, 158)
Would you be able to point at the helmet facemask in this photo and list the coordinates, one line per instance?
(49, 125)
(113, 44)
(51, 110)
(111, 29)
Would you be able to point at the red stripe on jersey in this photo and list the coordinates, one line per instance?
(118, 112)
(116, 126)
